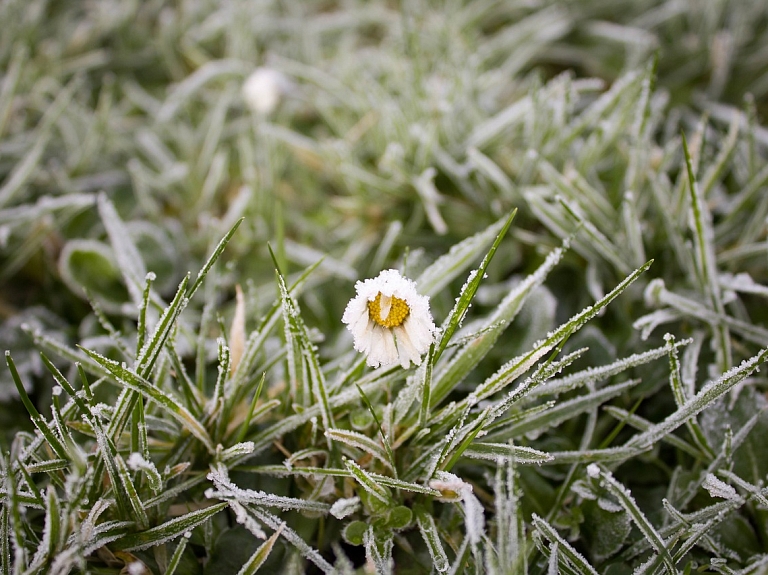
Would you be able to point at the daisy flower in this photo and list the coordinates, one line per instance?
(389, 320)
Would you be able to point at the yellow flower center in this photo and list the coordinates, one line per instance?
(391, 312)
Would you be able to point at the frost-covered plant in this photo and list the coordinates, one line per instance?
(544, 430)
(399, 462)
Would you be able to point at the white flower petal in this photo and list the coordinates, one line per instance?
(404, 343)
(408, 353)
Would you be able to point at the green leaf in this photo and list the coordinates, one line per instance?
(167, 531)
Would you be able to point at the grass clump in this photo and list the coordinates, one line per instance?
(579, 189)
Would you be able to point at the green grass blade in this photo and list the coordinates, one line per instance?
(447, 267)
(260, 555)
(468, 291)
(167, 531)
(576, 563)
(704, 241)
(470, 354)
(173, 564)
(138, 384)
(562, 412)
(384, 437)
(360, 441)
(520, 365)
(369, 483)
(38, 420)
(431, 537)
(505, 451)
(646, 528)
(212, 259)
(706, 397)
(292, 537)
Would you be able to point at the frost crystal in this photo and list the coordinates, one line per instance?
(718, 488)
(242, 517)
(345, 507)
(390, 321)
(593, 470)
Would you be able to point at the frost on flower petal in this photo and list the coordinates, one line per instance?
(389, 320)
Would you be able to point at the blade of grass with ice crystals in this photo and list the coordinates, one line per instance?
(283, 471)
(146, 358)
(128, 504)
(228, 491)
(138, 384)
(368, 483)
(449, 266)
(468, 290)
(260, 555)
(359, 441)
(213, 258)
(141, 329)
(510, 524)
(505, 451)
(217, 402)
(593, 374)
(297, 333)
(431, 537)
(257, 338)
(51, 543)
(384, 437)
(84, 407)
(563, 411)
(543, 530)
(701, 222)
(642, 424)
(426, 387)
(129, 260)
(470, 354)
(378, 552)
(167, 531)
(292, 537)
(173, 564)
(659, 294)
(706, 397)
(148, 355)
(676, 383)
(520, 365)
(38, 420)
(12, 504)
(754, 491)
(626, 500)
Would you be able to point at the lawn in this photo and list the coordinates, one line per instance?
(471, 286)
